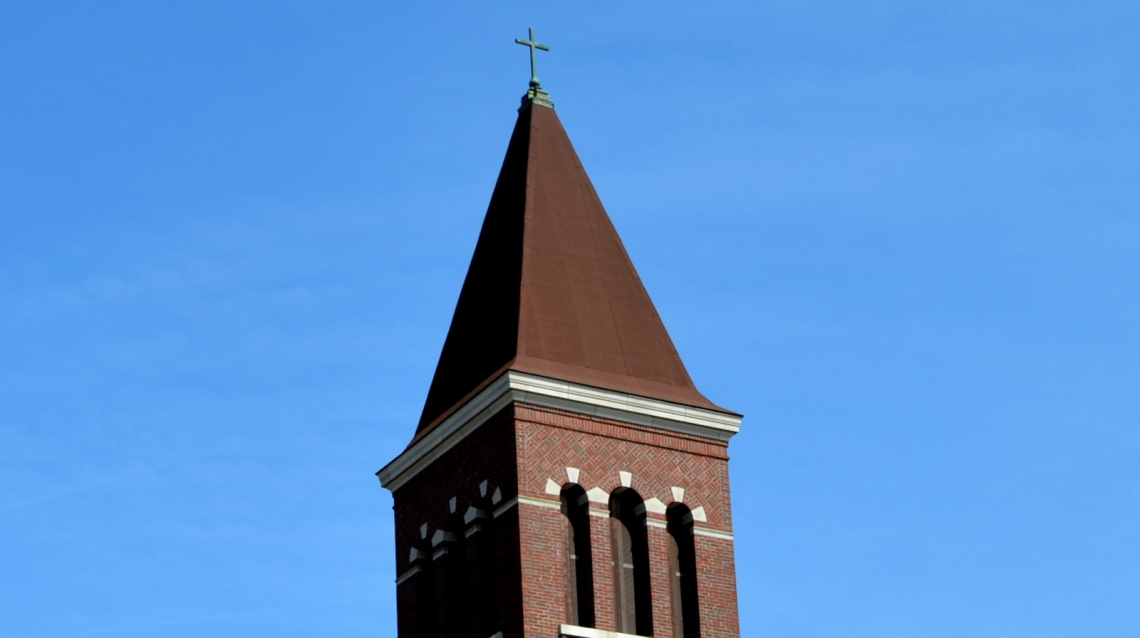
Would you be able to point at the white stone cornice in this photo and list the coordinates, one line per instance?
(621, 406)
(562, 395)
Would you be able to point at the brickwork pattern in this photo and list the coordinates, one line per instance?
(522, 449)
(551, 440)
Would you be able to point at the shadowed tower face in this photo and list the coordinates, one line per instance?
(566, 477)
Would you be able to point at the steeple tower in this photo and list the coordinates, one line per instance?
(566, 478)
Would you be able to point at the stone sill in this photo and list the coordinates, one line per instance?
(573, 631)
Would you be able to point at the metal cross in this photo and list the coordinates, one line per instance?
(533, 61)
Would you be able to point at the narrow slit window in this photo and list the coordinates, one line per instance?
(482, 534)
(632, 597)
(425, 594)
(683, 573)
(454, 565)
(579, 568)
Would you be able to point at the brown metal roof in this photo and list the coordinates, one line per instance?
(551, 290)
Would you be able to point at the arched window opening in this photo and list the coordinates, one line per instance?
(683, 573)
(481, 534)
(579, 568)
(453, 557)
(425, 593)
(632, 598)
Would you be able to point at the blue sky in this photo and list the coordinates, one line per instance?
(903, 238)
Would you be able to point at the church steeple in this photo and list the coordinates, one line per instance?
(551, 290)
(566, 479)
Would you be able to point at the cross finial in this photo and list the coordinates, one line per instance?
(534, 82)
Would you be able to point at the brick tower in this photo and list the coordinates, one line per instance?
(566, 477)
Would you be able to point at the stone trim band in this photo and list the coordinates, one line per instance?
(542, 502)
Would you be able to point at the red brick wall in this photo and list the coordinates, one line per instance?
(518, 451)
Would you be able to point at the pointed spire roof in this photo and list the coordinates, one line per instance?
(550, 290)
